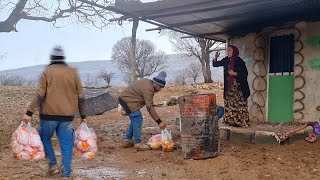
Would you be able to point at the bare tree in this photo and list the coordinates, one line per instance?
(78, 11)
(196, 47)
(31, 82)
(3, 56)
(106, 76)
(89, 80)
(181, 77)
(194, 71)
(148, 59)
(127, 78)
(11, 80)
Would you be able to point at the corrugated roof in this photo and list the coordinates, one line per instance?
(219, 19)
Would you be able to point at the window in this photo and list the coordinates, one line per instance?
(281, 54)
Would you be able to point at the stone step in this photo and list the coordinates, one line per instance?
(238, 134)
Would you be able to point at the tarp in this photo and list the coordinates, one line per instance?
(98, 104)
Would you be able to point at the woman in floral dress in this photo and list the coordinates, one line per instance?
(236, 88)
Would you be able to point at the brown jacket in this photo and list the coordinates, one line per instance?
(59, 94)
(139, 94)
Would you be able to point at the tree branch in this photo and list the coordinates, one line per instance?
(41, 10)
(10, 23)
(3, 56)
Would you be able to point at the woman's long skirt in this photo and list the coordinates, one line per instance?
(236, 108)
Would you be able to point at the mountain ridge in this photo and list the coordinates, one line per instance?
(88, 70)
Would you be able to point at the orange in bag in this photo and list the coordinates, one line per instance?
(88, 155)
(84, 146)
(28, 149)
(26, 143)
(85, 142)
(81, 146)
(167, 142)
(35, 140)
(155, 142)
(38, 156)
(92, 145)
(23, 136)
(23, 155)
(16, 147)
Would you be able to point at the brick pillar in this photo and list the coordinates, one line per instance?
(199, 126)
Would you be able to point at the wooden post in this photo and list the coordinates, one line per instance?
(133, 50)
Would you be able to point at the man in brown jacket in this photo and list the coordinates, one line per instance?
(132, 99)
(59, 96)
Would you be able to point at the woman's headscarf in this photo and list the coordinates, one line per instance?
(235, 54)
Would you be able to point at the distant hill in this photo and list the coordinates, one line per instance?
(89, 69)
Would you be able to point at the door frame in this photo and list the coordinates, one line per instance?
(269, 36)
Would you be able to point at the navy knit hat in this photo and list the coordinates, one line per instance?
(57, 54)
(160, 79)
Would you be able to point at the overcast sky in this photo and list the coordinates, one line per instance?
(32, 44)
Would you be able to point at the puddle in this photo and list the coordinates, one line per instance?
(142, 172)
(101, 173)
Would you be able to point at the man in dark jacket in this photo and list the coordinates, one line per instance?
(59, 96)
(132, 99)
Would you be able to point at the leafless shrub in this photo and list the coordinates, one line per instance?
(194, 71)
(180, 79)
(106, 76)
(11, 80)
(89, 80)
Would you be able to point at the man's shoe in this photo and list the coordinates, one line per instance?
(53, 170)
(141, 147)
(127, 144)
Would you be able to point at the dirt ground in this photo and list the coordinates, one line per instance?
(299, 160)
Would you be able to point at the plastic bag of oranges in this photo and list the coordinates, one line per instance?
(121, 110)
(166, 141)
(26, 143)
(155, 141)
(85, 142)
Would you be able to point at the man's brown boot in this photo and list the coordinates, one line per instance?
(141, 147)
(127, 144)
(53, 170)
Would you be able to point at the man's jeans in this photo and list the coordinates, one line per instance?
(65, 135)
(134, 130)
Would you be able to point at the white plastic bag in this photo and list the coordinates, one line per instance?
(35, 140)
(121, 110)
(23, 134)
(85, 142)
(167, 142)
(155, 142)
(26, 143)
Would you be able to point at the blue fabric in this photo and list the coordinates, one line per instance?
(134, 129)
(220, 112)
(65, 136)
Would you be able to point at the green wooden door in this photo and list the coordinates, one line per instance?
(281, 79)
(280, 106)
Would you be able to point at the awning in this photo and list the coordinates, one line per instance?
(219, 19)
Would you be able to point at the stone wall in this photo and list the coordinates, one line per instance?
(312, 80)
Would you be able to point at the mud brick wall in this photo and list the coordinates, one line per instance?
(199, 126)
